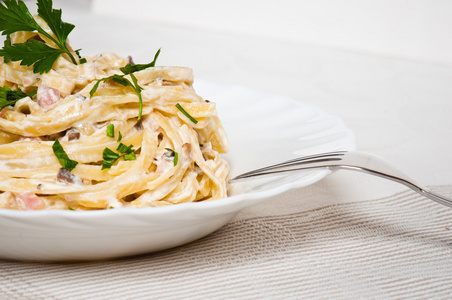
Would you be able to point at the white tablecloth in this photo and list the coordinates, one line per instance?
(348, 236)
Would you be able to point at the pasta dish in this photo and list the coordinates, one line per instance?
(94, 135)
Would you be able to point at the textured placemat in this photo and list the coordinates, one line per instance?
(394, 247)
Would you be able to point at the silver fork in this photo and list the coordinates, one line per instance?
(348, 160)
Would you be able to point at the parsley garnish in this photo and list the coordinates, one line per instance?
(176, 156)
(10, 97)
(119, 136)
(62, 156)
(179, 107)
(124, 149)
(111, 130)
(80, 59)
(110, 157)
(128, 70)
(127, 152)
(15, 16)
(125, 82)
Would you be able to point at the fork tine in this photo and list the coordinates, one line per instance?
(326, 156)
(321, 157)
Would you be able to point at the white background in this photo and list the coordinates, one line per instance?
(413, 29)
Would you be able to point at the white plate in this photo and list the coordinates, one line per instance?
(263, 129)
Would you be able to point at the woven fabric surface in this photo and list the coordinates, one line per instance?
(396, 247)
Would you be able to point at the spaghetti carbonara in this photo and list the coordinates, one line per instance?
(172, 159)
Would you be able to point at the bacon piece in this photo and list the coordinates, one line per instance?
(47, 96)
(29, 201)
(27, 81)
(2, 112)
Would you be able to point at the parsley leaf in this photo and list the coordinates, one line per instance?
(15, 16)
(116, 78)
(130, 156)
(62, 156)
(111, 130)
(138, 90)
(128, 152)
(80, 59)
(9, 97)
(32, 52)
(110, 157)
(95, 87)
(121, 80)
(129, 68)
(53, 19)
(179, 107)
(124, 149)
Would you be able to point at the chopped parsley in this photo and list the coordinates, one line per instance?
(62, 156)
(110, 157)
(10, 97)
(111, 130)
(179, 107)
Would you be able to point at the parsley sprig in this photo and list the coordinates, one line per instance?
(129, 69)
(15, 16)
(10, 97)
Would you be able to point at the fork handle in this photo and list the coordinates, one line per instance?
(377, 166)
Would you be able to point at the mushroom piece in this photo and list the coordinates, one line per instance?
(64, 176)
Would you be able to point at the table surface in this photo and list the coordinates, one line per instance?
(348, 236)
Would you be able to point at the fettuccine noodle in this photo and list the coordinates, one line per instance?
(31, 176)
